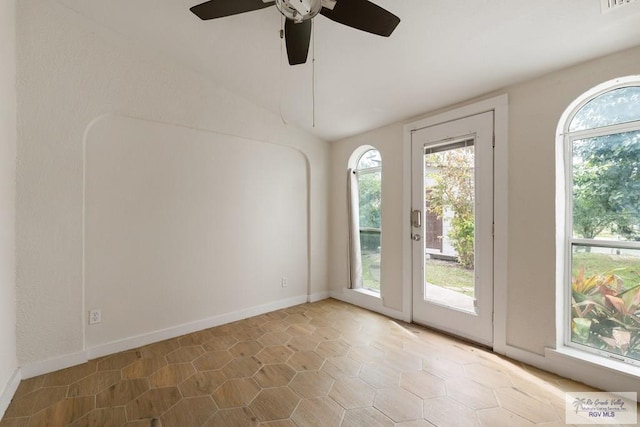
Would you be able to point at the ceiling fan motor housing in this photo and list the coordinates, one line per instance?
(299, 10)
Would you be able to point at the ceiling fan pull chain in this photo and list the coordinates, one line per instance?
(313, 74)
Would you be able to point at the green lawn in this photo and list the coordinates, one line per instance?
(450, 275)
(628, 267)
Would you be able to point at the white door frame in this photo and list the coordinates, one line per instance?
(499, 105)
(477, 325)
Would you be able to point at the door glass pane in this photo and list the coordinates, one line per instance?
(605, 299)
(449, 191)
(606, 187)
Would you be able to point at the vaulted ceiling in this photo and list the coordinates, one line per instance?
(441, 53)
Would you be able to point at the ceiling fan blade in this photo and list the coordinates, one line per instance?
(297, 38)
(220, 8)
(363, 15)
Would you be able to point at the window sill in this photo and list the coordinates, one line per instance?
(570, 355)
(365, 292)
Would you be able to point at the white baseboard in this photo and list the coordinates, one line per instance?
(318, 296)
(9, 390)
(51, 365)
(68, 360)
(187, 328)
(533, 359)
(364, 300)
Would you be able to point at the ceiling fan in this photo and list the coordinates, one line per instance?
(360, 14)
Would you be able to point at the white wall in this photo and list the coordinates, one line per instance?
(182, 224)
(70, 73)
(534, 110)
(8, 362)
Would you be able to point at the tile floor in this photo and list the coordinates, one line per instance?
(323, 364)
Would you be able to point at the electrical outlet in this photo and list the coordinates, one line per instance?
(284, 282)
(95, 316)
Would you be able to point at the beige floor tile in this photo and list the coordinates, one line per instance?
(233, 417)
(332, 348)
(185, 354)
(303, 343)
(443, 368)
(495, 417)
(471, 394)
(279, 423)
(311, 384)
(352, 393)
(159, 349)
(274, 404)
(171, 375)
(246, 349)
(274, 354)
(274, 375)
(338, 367)
(415, 423)
(380, 376)
(403, 361)
(196, 338)
(122, 393)
(242, 368)
(446, 412)
(236, 393)
(152, 403)
(105, 417)
(94, 383)
(15, 422)
(423, 384)
(398, 404)
(488, 375)
(274, 338)
(63, 412)
(367, 354)
(143, 367)
(319, 411)
(220, 343)
(35, 401)
(189, 412)
(366, 417)
(202, 383)
(525, 405)
(305, 361)
(212, 360)
(70, 375)
(118, 361)
(327, 333)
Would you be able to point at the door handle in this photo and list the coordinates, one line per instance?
(416, 218)
(416, 237)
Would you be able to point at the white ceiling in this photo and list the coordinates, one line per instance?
(441, 53)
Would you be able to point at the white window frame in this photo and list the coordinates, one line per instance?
(565, 176)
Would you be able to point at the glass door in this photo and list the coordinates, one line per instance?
(452, 227)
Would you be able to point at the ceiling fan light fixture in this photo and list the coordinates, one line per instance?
(299, 10)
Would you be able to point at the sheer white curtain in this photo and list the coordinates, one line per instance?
(355, 260)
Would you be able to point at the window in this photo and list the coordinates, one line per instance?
(365, 226)
(602, 221)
